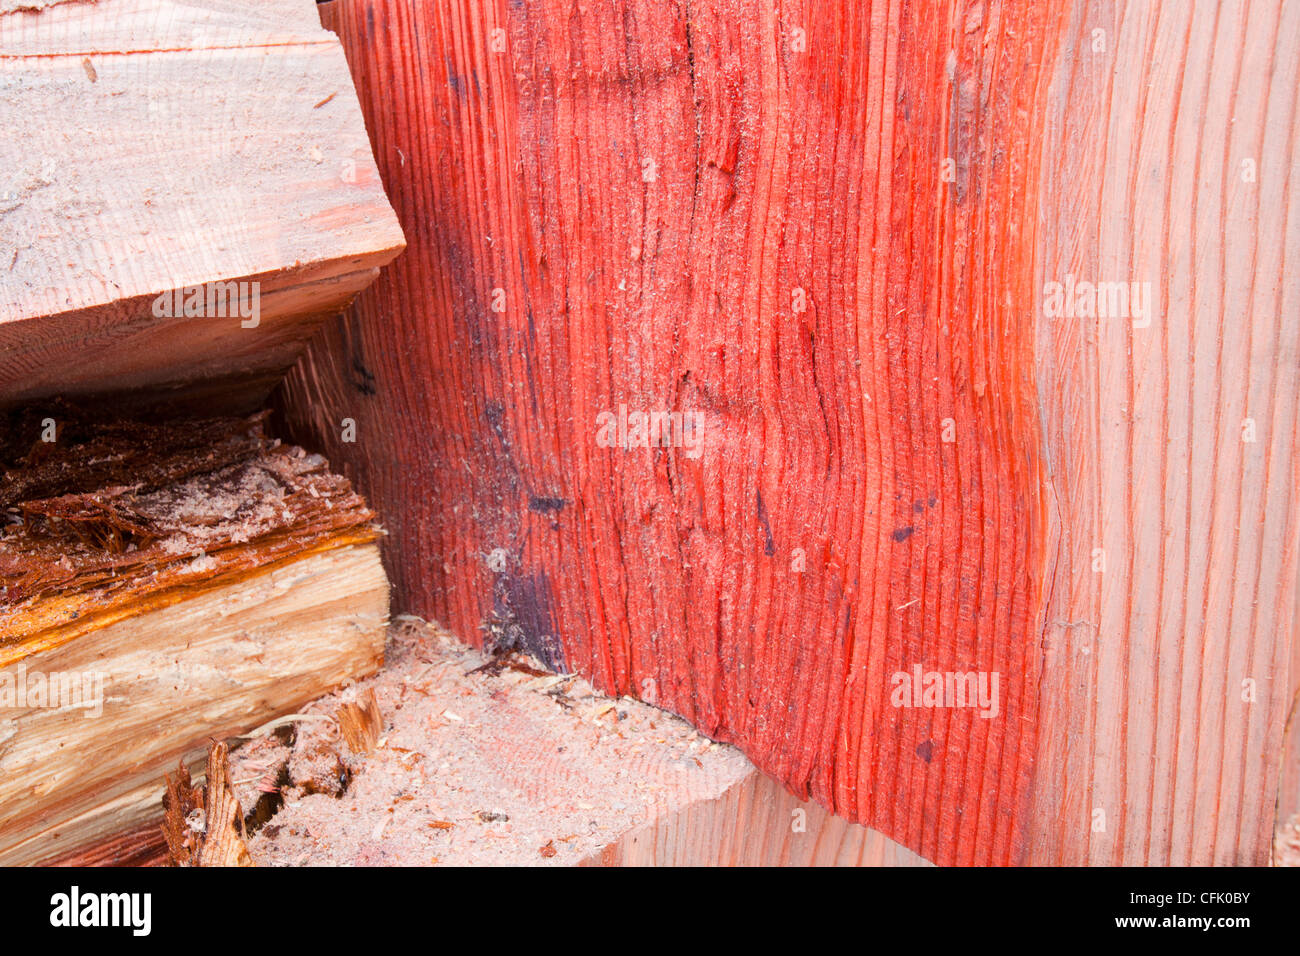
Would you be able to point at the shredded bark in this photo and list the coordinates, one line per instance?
(361, 723)
(116, 518)
(85, 455)
(183, 818)
(204, 826)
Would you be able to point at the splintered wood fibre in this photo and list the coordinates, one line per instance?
(111, 519)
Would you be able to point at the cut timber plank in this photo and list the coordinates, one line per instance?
(828, 229)
(63, 28)
(756, 822)
(212, 666)
(1170, 623)
(171, 147)
(476, 767)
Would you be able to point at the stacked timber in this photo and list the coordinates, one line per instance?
(192, 194)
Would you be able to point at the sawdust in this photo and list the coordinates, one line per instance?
(480, 761)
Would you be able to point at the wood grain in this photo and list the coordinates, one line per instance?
(62, 28)
(648, 185)
(756, 822)
(1145, 713)
(140, 846)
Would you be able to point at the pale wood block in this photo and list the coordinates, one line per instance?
(167, 147)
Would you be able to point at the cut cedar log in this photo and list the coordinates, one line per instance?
(191, 194)
(839, 234)
(162, 585)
